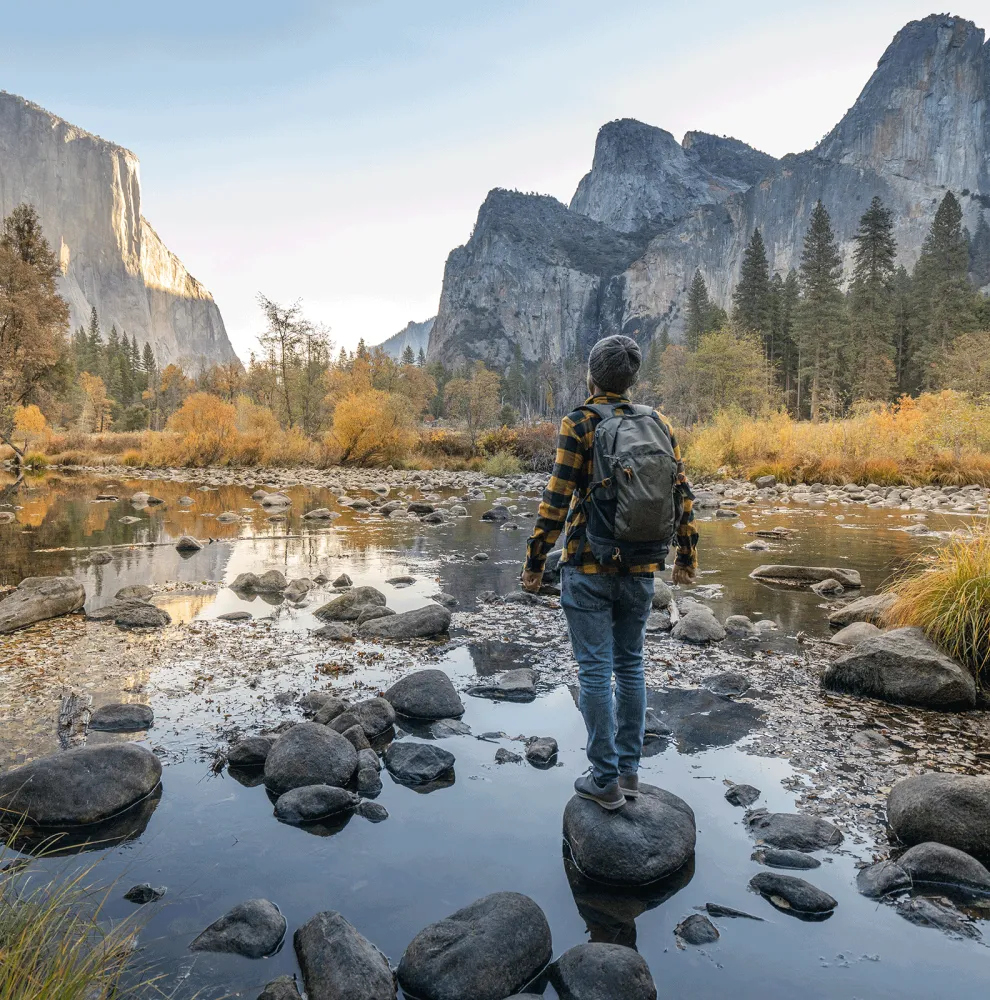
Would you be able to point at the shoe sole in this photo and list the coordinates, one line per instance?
(610, 806)
(630, 794)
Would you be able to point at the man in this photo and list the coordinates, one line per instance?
(607, 598)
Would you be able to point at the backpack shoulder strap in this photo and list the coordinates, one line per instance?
(602, 410)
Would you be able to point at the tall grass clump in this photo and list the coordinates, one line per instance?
(503, 463)
(951, 602)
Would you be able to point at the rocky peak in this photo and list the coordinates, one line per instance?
(727, 157)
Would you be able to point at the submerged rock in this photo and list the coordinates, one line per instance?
(144, 893)
(309, 754)
(600, 971)
(807, 574)
(882, 879)
(253, 929)
(485, 951)
(789, 893)
(793, 831)
(951, 809)
(425, 694)
(38, 598)
(417, 763)
(122, 718)
(339, 963)
(928, 913)
(742, 795)
(697, 930)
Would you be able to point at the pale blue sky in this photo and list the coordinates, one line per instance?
(337, 151)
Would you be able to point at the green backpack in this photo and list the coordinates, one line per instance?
(632, 504)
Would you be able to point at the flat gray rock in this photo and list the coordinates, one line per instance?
(866, 609)
(311, 803)
(793, 831)
(253, 929)
(425, 694)
(807, 574)
(902, 666)
(485, 951)
(932, 862)
(134, 592)
(423, 623)
(928, 913)
(122, 718)
(789, 893)
(600, 971)
(514, 685)
(309, 754)
(38, 598)
(417, 763)
(339, 963)
(137, 614)
(348, 607)
(774, 857)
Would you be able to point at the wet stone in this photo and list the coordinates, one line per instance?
(417, 763)
(696, 930)
(774, 857)
(309, 754)
(928, 913)
(541, 750)
(425, 694)
(144, 893)
(373, 812)
(882, 879)
(311, 803)
(793, 831)
(787, 892)
(122, 718)
(730, 683)
(514, 685)
(283, 988)
(742, 795)
(252, 751)
(339, 963)
(932, 862)
(503, 756)
(235, 616)
(422, 623)
(600, 971)
(253, 929)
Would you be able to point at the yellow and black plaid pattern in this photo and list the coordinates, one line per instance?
(571, 477)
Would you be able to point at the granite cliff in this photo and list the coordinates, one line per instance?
(413, 334)
(553, 278)
(87, 193)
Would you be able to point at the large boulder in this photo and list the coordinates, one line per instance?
(902, 666)
(426, 694)
(950, 809)
(939, 863)
(417, 763)
(650, 838)
(309, 754)
(602, 971)
(866, 609)
(38, 598)
(348, 607)
(374, 715)
(81, 786)
(339, 963)
(251, 751)
(486, 951)
(419, 624)
(312, 803)
(793, 831)
(806, 575)
(253, 929)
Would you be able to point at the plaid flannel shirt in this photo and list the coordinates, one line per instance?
(572, 474)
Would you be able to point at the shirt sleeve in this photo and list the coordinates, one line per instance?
(687, 534)
(556, 497)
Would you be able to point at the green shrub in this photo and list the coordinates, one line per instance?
(503, 464)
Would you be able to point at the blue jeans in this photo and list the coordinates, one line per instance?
(606, 615)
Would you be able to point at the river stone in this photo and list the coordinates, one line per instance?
(696, 929)
(144, 893)
(356, 737)
(928, 913)
(283, 988)
(298, 589)
(776, 858)
(419, 624)
(368, 758)
(742, 795)
(319, 514)
(426, 694)
(272, 582)
(600, 971)
(828, 588)
(649, 838)
(38, 598)
(335, 631)
(374, 715)
(417, 763)
(882, 879)
(348, 607)
(807, 574)
(485, 951)
(498, 514)
(373, 812)
(903, 666)
(793, 831)
(739, 626)
(235, 616)
(866, 609)
(331, 710)
(663, 596)
(339, 963)
(252, 751)
(369, 782)
(514, 685)
(541, 750)
(932, 862)
(134, 592)
(100, 559)
(797, 894)
(80, 786)
(371, 612)
(420, 508)
(313, 701)
(139, 614)
(950, 809)
(699, 626)
(309, 754)
(275, 500)
(253, 929)
(122, 718)
(854, 634)
(345, 581)
(188, 544)
(311, 803)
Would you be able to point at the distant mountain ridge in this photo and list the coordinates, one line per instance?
(87, 193)
(552, 278)
(413, 334)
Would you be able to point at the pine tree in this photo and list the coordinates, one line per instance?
(698, 310)
(979, 254)
(905, 372)
(22, 234)
(408, 356)
(943, 297)
(94, 345)
(421, 358)
(515, 379)
(872, 306)
(819, 318)
(751, 301)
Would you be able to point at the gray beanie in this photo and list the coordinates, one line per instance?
(614, 363)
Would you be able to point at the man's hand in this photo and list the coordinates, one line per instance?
(683, 575)
(532, 581)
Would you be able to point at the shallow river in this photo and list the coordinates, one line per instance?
(214, 842)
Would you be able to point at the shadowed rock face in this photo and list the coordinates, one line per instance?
(620, 259)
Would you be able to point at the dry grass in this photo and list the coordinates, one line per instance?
(951, 602)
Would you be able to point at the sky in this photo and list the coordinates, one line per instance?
(335, 152)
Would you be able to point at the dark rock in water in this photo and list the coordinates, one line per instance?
(318, 514)
(252, 751)
(422, 623)
(335, 632)
(144, 893)
(774, 857)
(235, 616)
(485, 951)
(188, 544)
(503, 756)
(249, 777)
(828, 588)
(331, 710)
(541, 750)
(344, 581)
(373, 812)
(793, 831)
(498, 514)
(338, 963)
(698, 627)
(420, 507)
(447, 600)
(697, 718)
(480, 557)
(865, 609)
(356, 737)
(372, 612)
(100, 559)
(882, 879)
(272, 582)
(309, 754)
(134, 592)
(648, 839)
(426, 694)
(807, 574)
(81, 786)
(951, 809)
(374, 715)
(717, 910)
(435, 518)
(514, 685)
(348, 607)
(903, 666)
(312, 803)
(443, 728)
(653, 726)
(369, 782)
(401, 581)
(789, 893)
(122, 718)
(600, 971)
(312, 702)
(927, 913)
(368, 758)
(283, 988)
(730, 683)
(937, 863)
(742, 795)
(298, 589)
(697, 930)
(739, 626)
(522, 597)
(253, 929)
(38, 598)
(417, 763)
(137, 614)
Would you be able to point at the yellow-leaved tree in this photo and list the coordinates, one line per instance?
(475, 399)
(29, 423)
(372, 428)
(208, 426)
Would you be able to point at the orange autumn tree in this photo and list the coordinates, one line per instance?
(372, 428)
(29, 423)
(208, 426)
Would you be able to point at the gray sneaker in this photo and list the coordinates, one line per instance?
(609, 797)
(629, 785)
